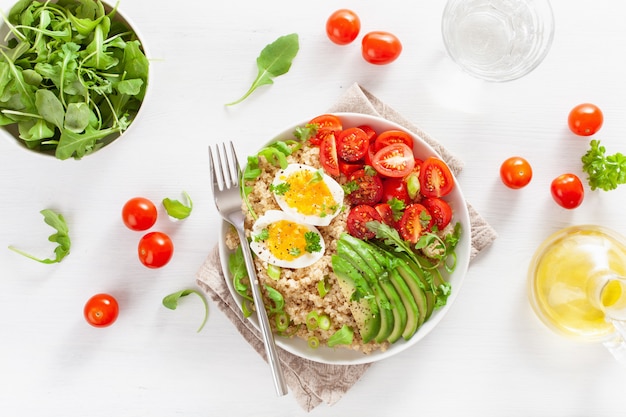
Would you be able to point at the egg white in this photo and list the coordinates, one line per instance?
(263, 252)
(335, 190)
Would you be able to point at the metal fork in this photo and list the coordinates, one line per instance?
(225, 177)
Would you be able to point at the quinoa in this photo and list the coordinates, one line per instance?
(299, 287)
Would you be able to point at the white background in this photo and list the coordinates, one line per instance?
(490, 356)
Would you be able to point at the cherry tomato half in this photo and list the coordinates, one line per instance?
(343, 26)
(326, 124)
(395, 188)
(395, 160)
(516, 172)
(389, 137)
(139, 214)
(352, 144)
(155, 249)
(567, 190)
(436, 180)
(356, 223)
(415, 221)
(585, 119)
(101, 310)
(328, 155)
(440, 210)
(369, 188)
(380, 48)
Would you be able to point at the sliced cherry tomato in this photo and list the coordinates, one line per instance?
(371, 133)
(389, 137)
(368, 189)
(436, 180)
(139, 214)
(567, 190)
(347, 168)
(343, 26)
(395, 160)
(395, 188)
(380, 48)
(326, 123)
(585, 119)
(386, 213)
(516, 172)
(328, 155)
(415, 221)
(101, 310)
(352, 144)
(358, 217)
(155, 249)
(440, 210)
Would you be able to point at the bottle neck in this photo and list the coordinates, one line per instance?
(607, 292)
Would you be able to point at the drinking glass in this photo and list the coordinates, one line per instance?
(498, 40)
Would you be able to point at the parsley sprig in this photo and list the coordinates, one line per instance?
(603, 171)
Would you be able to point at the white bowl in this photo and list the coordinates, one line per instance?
(343, 356)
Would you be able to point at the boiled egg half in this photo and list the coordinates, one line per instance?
(280, 240)
(307, 194)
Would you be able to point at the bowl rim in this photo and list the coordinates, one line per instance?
(343, 356)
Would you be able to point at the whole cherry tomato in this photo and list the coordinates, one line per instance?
(101, 310)
(343, 26)
(155, 249)
(380, 48)
(516, 172)
(567, 190)
(139, 214)
(585, 119)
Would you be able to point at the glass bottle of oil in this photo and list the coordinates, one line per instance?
(577, 285)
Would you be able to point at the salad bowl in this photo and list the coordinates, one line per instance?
(340, 355)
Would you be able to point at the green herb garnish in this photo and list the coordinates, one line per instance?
(71, 76)
(176, 209)
(312, 242)
(171, 302)
(61, 237)
(275, 59)
(603, 171)
(280, 189)
(262, 235)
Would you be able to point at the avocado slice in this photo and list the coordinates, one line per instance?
(417, 290)
(413, 312)
(359, 296)
(347, 252)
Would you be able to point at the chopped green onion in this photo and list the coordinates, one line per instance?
(312, 320)
(282, 321)
(342, 336)
(324, 322)
(245, 309)
(273, 272)
(323, 286)
(313, 342)
(277, 298)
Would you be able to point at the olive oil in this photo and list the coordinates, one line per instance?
(575, 281)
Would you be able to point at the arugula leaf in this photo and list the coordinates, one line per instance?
(171, 302)
(72, 77)
(606, 172)
(176, 209)
(275, 59)
(61, 237)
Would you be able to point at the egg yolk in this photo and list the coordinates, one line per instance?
(309, 195)
(286, 240)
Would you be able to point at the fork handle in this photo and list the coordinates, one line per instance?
(266, 330)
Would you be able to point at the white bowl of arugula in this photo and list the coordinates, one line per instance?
(395, 294)
(73, 76)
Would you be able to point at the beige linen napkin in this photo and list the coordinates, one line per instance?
(310, 382)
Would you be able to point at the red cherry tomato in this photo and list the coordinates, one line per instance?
(155, 249)
(343, 26)
(326, 124)
(436, 180)
(516, 172)
(371, 133)
(395, 188)
(101, 310)
(380, 48)
(328, 155)
(386, 213)
(352, 144)
(389, 137)
(395, 160)
(415, 221)
(585, 119)
(139, 214)
(347, 168)
(440, 211)
(356, 223)
(369, 188)
(567, 190)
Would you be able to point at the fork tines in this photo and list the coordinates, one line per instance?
(224, 166)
